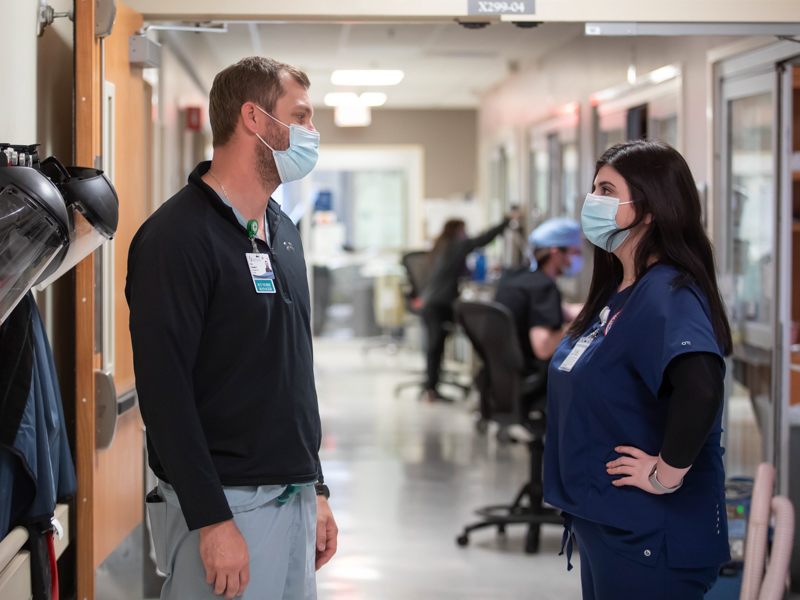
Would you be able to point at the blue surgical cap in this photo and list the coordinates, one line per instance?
(556, 233)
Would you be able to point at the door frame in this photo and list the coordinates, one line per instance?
(785, 220)
(744, 75)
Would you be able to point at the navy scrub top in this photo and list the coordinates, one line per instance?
(613, 397)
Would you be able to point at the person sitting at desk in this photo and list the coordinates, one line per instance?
(534, 299)
(447, 264)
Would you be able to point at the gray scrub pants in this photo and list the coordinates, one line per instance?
(280, 536)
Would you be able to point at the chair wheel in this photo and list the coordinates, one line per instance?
(532, 540)
(462, 540)
(503, 436)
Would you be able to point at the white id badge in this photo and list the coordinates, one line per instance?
(262, 273)
(581, 347)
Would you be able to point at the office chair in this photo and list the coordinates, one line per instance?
(509, 397)
(418, 274)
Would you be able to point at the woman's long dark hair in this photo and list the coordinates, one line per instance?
(451, 232)
(661, 185)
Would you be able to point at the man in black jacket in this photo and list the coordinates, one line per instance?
(220, 326)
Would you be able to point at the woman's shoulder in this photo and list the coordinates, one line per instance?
(664, 284)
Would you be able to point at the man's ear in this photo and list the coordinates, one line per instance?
(249, 114)
(648, 219)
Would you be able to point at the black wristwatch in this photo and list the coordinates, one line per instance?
(322, 490)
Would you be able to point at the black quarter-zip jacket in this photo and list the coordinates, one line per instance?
(224, 374)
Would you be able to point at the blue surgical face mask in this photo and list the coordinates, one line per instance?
(300, 158)
(575, 267)
(599, 222)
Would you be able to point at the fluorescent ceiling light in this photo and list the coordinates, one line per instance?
(664, 73)
(632, 74)
(366, 77)
(569, 109)
(372, 99)
(352, 116)
(351, 99)
(341, 99)
(653, 78)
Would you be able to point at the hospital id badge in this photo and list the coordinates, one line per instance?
(262, 272)
(581, 347)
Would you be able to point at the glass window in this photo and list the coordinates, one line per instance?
(666, 130)
(751, 214)
(540, 170)
(569, 179)
(750, 269)
(380, 209)
(610, 138)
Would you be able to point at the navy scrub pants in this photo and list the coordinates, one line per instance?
(606, 575)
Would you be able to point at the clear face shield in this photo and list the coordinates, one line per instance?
(32, 233)
(83, 240)
(93, 213)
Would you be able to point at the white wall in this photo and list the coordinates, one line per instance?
(56, 80)
(448, 136)
(18, 72)
(176, 91)
(591, 64)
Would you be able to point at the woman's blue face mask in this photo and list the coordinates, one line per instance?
(599, 222)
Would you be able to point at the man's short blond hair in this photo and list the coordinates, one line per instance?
(254, 79)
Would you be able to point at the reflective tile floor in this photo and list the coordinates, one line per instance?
(405, 477)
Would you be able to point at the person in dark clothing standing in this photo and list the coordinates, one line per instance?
(447, 264)
(221, 332)
(534, 299)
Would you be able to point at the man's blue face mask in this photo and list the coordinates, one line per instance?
(575, 267)
(300, 158)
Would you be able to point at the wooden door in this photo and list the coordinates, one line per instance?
(110, 483)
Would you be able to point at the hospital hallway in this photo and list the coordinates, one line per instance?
(405, 477)
(259, 257)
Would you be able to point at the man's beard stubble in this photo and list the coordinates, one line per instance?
(265, 162)
(266, 168)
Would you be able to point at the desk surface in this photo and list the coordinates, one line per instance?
(481, 291)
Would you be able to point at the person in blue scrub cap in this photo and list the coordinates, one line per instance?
(633, 455)
(532, 296)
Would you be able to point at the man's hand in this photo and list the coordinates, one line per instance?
(327, 533)
(225, 557)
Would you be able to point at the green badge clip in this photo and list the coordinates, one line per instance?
(252, 228)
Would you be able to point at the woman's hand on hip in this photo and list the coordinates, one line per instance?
(635, 469)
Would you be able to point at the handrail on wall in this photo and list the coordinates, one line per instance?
(11, 545)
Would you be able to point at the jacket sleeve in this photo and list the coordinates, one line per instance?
(170, 281)
(320, 474)
(479, 241)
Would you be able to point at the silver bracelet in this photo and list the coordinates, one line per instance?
(658, 486)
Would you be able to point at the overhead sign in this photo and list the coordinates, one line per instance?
(504, 7)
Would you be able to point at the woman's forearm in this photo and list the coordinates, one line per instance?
(669, 476)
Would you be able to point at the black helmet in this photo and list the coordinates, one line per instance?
(93, 209)
(34, 228)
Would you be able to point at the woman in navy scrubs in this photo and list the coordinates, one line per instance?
(633, 455)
